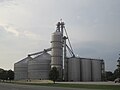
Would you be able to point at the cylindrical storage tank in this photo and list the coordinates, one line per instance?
(39, 67)
(57, 61)
(74, 69)
(21, 69)
(65, 70)
(86, 69)
(57, 51)
(103, 70)
(96, 70)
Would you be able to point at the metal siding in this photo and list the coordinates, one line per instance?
(86, 70)
(74, 69)
(96, 70)
(39, 67)
(21, 69)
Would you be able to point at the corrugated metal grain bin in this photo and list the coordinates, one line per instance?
(74, 69)
(39, 67)
(96, 70)
(21, 69)
(86, 69)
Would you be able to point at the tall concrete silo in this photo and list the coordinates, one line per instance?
(21, 69)
(74, 69)
(39, 67)
(96, 70)
(86, 69)
(57, 51)
(103, 70)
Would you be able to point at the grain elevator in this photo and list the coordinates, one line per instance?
(37, 66)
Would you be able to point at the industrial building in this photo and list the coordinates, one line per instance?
(70, 67)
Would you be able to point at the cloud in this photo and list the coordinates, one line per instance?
(2, 1)
(9, 29)
(29, 34)
(87, 22)
(17, 33)
(7, 2)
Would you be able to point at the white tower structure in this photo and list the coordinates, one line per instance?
(57, 49)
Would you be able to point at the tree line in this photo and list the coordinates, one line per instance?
(6, 75)
(111, 76)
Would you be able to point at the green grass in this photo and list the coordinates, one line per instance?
(87, 86)
(108, 87)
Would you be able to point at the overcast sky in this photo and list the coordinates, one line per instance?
(26, 27)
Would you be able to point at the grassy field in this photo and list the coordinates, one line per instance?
(87, 86)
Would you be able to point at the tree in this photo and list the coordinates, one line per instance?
(54, 74)
(109, 76)
(10, 75)
(3, 74)
(117, 73)
(6, 74)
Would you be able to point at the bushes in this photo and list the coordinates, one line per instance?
(6, 74)
(54, 74)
